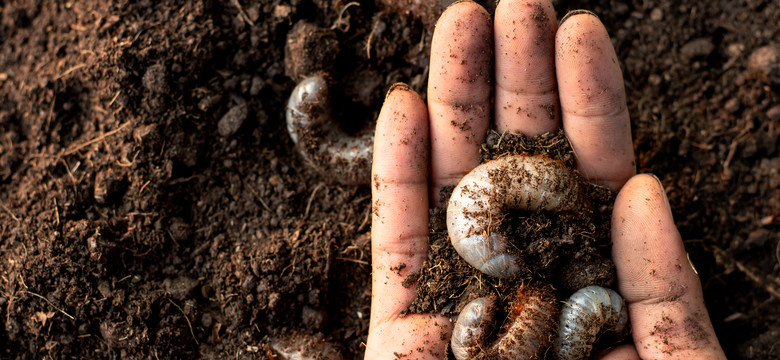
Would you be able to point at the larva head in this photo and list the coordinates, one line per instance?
(471, 328)
(587, 315)
(308, 105)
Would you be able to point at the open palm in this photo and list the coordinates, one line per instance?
(542, 78)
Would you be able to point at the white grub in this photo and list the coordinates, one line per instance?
(338, 156)
(587, 314)
(470, 327)
(526, 335)
(299, 346)
(484, 195)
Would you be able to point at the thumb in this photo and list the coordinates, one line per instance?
(658, 282)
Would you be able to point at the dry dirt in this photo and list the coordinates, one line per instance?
(152, 204)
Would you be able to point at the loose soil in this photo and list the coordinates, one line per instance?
(152, 204)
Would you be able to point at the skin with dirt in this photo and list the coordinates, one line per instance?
(152, 204)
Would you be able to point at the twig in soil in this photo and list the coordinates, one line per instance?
(371, 36)
(753, 276)
(10, 213)
(361, 262)
(254, 192)
(67, 72)
(56, 212)
(48, 116)
(50, 303)
(368, 215)
(187, 319)
(143, 187)
(114, 98)
(311, 198)
(749, 273)
(99, 138)
(241, 14)
(340, 23)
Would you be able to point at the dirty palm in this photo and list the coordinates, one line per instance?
(546, 79)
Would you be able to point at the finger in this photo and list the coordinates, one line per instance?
(593, 101)
(622, 352)
(459, 91)
(399, 184)
(526, 91)
(419, 336)
(399, 234)
(662, 290)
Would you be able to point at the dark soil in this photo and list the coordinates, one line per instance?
(152, 204)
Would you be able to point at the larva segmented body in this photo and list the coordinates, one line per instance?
(532, 183)
(340, 157)
(589, 312)
(526, 335)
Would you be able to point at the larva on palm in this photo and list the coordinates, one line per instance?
(528, 332)
(587, 314)
(532, 183)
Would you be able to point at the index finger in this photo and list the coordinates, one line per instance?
(399, 184)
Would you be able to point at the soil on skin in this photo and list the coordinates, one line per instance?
(152, 204)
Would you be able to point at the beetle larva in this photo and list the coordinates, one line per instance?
(479, 202)
(526, 335)
(335, 154)
(588, 313)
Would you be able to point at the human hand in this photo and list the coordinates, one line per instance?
(545, 78)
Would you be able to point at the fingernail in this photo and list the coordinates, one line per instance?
(663, 193)
(576, 12)
(397, 86)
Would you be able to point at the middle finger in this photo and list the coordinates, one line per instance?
(459, 92)
(526, 90)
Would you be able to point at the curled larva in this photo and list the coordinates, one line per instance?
(479, 202)
(299, 346)
(528, 332)
(588, 313)
(335, 154)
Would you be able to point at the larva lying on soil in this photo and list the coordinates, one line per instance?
(479, 202)
(589, 312)
(296, 346)
(325, 146)
(526, 335)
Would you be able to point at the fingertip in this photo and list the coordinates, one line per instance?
(459, 6)
(401, 136)
(647, 247)
(402, 94)
(576, 12)
(461, 55)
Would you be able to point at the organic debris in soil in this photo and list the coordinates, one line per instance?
(557, 248)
